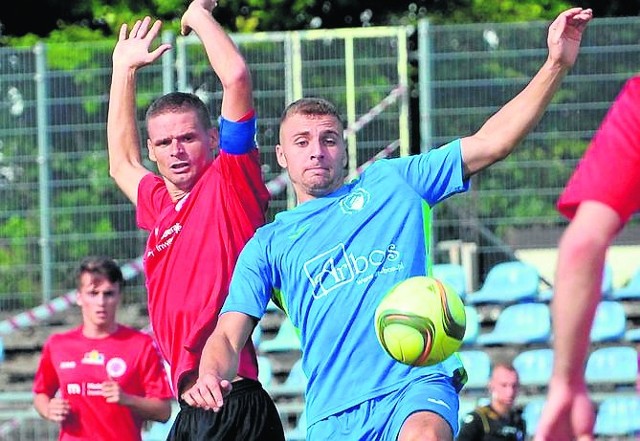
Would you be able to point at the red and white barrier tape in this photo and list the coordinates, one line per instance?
(46, 310)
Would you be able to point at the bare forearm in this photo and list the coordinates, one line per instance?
(154, 409)
(518, 117)
(225, 59)
(219, 357)
(41, 404)
(122, 133)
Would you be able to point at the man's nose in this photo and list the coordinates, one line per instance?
(176, 147)
(316, 151)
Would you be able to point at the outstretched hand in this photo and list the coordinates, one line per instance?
(133, 50)
(568, 413)
(565, 34)
(208, 392)
(195, 7)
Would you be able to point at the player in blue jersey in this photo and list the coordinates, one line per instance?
(329, 261)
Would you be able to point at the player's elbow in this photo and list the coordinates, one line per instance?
(238, 77)
(164, 412)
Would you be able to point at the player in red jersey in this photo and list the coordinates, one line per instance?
(200, 211)
(110, 377)
(599, 199)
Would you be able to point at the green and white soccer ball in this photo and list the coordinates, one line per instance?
(421, 321)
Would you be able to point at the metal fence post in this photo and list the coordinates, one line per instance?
(44, 171)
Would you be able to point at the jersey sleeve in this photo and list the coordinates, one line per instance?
(152, 197)
(152, 372)
(435, 175)
(46, 378)
(252, 282)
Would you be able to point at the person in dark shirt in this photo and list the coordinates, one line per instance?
(500, 420)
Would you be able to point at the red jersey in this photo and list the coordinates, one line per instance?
(191, 252)
(77, 365)
(609, 171)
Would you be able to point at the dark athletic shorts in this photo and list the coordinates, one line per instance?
(248, 414)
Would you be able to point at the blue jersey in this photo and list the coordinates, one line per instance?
(331, 260)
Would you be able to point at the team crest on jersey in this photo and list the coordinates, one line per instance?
(354, 201)
(93, 357)
(116, 367)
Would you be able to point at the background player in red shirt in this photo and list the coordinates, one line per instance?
(110, 377)
(200, 211)
(599, 199)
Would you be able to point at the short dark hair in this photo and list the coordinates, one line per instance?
(102, 267)
(311, 106)
(175, 102)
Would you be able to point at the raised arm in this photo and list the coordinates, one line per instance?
(219, 362)
(499, 136)
(225, 59)
(131, 53)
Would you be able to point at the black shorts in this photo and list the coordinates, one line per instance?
(248, 414)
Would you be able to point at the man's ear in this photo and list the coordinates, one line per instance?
(152, 155)
(78, 300)
(280, 156)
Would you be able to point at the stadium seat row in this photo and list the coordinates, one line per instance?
(529, 323)
(611, 365)
(516, 281)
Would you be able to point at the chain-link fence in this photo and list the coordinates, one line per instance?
(57, 202)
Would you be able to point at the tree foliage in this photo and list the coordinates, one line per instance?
(62, 18)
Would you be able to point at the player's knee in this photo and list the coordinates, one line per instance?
(425, 426)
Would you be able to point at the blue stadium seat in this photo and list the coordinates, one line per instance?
(545, 295)
(158, 431)
(522, 323)
(534, 366)
(256, 336)
(607, 281)
(618, 415)
(295, 384)
(612, 365)
(478, 366)
(299, 432)
(272, 307)
(531, 414)
(609, 323)
(286, 339)
(630, 291)
(452, 274)
(265, 371)
(507, 282)
(632, 335)
(467, 405)
(473, 326)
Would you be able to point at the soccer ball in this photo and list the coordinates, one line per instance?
(421, 321)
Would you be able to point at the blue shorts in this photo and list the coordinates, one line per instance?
(381, 418)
